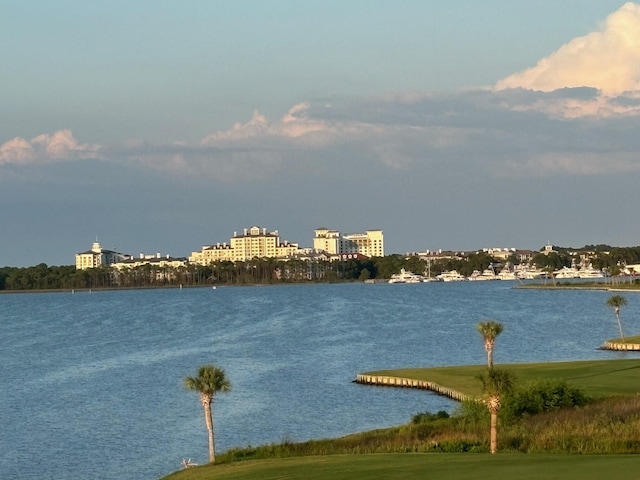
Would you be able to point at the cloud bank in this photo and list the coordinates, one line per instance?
(607, 60)
(59, 146)
(576, 112)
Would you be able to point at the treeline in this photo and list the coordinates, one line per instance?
(257, 271)
(606, 258)
(272, 271)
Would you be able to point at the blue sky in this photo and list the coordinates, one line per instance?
(165, 125)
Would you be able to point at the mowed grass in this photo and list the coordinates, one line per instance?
(598, 378)
(424, 466)
(555, 445)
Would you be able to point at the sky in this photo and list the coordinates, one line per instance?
(163, 126)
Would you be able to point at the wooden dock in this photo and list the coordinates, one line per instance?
(387, 381)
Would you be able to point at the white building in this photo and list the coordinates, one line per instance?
(97, 257)
(253, 242)
(369, 244)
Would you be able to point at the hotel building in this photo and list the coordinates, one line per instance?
(97, 257)
(369, 244)
(253, 242)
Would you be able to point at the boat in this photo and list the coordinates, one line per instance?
(506, 274)
(590, 272)
(566, 272)
(531, 274)
(451, 276)
(405, 276)
(486, 274)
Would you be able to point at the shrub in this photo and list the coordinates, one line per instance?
(472, 414)
(541, 396)
(423, 417)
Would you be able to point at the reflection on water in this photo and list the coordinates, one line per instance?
(93, 382)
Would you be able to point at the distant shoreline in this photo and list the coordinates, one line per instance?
(629, 287)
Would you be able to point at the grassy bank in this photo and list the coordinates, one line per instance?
(614, 287)
(598, 378)
(423, 466)
(530, 446)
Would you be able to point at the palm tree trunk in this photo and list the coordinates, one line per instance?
(208, 418)
(620, 326)
(494, 432)
(490, 357)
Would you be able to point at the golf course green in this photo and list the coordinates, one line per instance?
(599, 379)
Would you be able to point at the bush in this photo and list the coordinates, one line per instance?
(472, 414)
(424, 417)
(541, 396)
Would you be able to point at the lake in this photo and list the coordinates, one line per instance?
(92, 382)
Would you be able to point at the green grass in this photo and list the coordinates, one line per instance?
(553, 445)
(634, 339)
(598, 378)
(424, 466)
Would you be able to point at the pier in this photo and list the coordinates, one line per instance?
(620, 346)
(401, 382)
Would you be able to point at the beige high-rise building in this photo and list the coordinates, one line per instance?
(97, 257)
(327, 241)
(370, 243)
(254, 242)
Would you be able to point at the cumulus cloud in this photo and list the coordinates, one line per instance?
(46, 148)
(296, 123)
(608, 60)
(508, 133)
(576, 113)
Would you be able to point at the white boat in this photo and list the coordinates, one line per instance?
(451, 276)
(566, 272)
(405, 277)
(505, 274)
(590, 272)
(531, 274)
(486, 274)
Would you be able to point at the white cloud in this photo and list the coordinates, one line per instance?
(513, 133)
(295, 124)
(46, 148)
(508, 133)
(17, 150)
(608, 60)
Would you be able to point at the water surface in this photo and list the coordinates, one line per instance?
(92, 383)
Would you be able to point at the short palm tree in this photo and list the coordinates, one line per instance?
(489, 331)
(210, 380)
(617, 301)
(495, 383)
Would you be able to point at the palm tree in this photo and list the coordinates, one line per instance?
(210, 380)
(489, 331)
(495, 383)
(617, 301)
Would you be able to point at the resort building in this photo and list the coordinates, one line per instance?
(369, 244)
(155, 260)
(97, 257)
(254, 242)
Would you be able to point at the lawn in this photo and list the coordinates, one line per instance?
(424, 466)
(598, 378)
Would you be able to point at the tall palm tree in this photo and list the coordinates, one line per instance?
(495, 383)
(489, 331)
(617, 301)
(210, 380)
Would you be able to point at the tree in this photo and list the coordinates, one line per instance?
(617, 301)
(489, 331)
(210, 380)
(495, 383)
